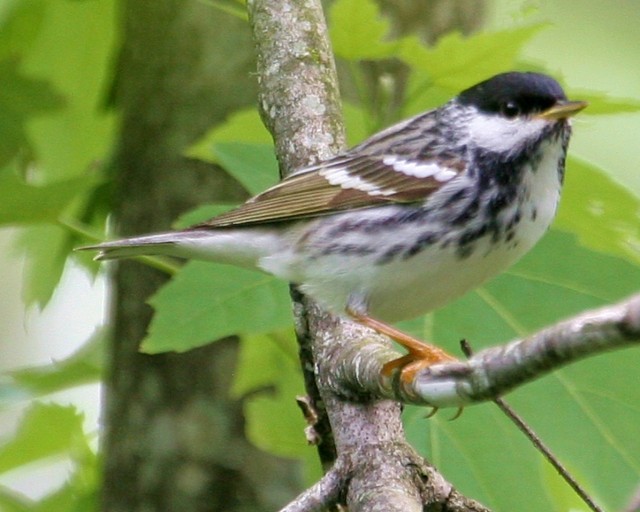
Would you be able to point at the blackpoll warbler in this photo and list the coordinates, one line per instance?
(409, 219)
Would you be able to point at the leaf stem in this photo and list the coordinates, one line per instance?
(80, 228)
(162, 264)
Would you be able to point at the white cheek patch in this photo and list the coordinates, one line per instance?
(495, 133)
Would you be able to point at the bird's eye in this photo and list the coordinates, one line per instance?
(510, 109)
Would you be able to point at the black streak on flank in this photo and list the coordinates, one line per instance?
(422, 243)
(499, 202)
(390, 254)
(468, 238)
(347, 250)
(468, 213)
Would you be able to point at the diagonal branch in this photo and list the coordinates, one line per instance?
(497, 370)
(323, 494)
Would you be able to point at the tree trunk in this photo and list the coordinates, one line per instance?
(173, 436)
(373, 468)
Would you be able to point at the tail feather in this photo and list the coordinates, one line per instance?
(150, 245)
(244, 247)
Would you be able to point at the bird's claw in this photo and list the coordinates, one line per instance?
(435, 409)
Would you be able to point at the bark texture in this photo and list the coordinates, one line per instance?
(174, 438)
(375, 469)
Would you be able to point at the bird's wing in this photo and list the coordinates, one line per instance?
(345, 182)
(403, 163)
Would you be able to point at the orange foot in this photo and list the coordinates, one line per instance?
(421, 355)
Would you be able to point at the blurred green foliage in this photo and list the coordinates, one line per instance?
(55, 136)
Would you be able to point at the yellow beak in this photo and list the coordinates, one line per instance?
(562, 110)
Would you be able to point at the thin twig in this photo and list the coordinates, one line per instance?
(538, 443)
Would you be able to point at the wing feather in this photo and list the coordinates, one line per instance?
(373, 173)
(333, 186)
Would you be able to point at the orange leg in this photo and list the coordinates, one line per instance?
(421, 355)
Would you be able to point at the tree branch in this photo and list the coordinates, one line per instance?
(299, 101)
(300, 105)
(322, 495)
(493, 371)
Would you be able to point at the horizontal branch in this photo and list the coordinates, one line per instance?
(493, 371)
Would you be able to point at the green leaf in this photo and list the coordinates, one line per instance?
(263, 359)
(70, 498)
(234, 8)
(253, 165)
(358, 30)
(11, 501)
(242, 126)
(243, 147)
(602, 103)
(602, 213)
(82, 367)
(274, 423)
(201, 214)
(590, 403)
(21, 98)
(560, 493)
(44, 431)
(81, 490)
(46, 248)
(71, 140)
(20, 24)
(205, 302)
(457, 62)
(355, 120)
(22, 203)
(268, 369)
(66, 142)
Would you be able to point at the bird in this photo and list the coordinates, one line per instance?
(409, 219)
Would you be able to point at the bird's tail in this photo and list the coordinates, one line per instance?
(241, 247)
(149, 245)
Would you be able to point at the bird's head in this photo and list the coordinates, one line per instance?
(511, 111)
